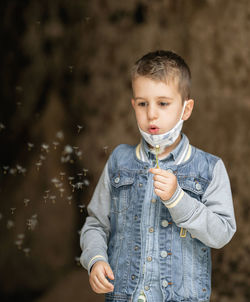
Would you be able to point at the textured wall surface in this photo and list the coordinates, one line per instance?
(65, 83)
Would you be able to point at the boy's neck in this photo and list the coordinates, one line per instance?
(169, 148)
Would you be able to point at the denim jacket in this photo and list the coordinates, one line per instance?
(193, 226)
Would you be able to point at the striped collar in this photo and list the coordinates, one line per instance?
(179, 155)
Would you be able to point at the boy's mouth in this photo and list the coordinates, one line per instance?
(153, 129)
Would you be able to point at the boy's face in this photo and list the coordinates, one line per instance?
(158, 105)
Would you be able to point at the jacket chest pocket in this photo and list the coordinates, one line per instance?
(194, 186)
(122, 185)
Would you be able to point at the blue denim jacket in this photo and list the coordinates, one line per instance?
(185, 270)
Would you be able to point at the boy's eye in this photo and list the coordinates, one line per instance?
(142, 104)
(163, 104)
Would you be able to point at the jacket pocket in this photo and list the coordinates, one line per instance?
(193, 186)
(121, 190)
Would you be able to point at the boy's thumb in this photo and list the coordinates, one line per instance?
(109, 272)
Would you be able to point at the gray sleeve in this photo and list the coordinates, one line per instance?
(211, 221)
(95, 232)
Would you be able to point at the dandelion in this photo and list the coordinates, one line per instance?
(55, 144)
(77, 259)
(81, 207)
(53, 199)
(79, 128)
(12, 210)
(2, 127)
(5, 169)
(69, 199)
(45, 147)
(26, 201)
(85, 171)
(38, 165)
(86, 182)
(70, 178)
(60, 135)
(26, 251)
(68, 149)
(105, 148)
(10, 224)
(19, 243)
(61, 191)
(30, 146)
(62, 174)
(13, 171)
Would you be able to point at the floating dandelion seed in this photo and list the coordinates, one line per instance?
(45, 198)
(85, 171)
(55, 144)
(10, 224)
(30, 146)
(77, 259)
(58, 185)
(42, 157)
(60, 135)
(2, 127)
(19, 243)
(53, 199)
(79, 154)
(68, 149)
(5, 168)
(69, 199)
(75, 148)
(65, 159)
(20, 236)
(71, 67)
(79, 175)
(55, 180)
(79, 128)
(29, 223)
(61, 191)
(19, 89)
(105, 148)
(45, 147)
(79, 185)
(26, 251)
(12, 210)
(73, 188)
(62, 174)
(32, 222)
(81, 207)
(38, 165)
(26, 201)
(86, 182)
(70, 178)
(19, 168)
(13, 171)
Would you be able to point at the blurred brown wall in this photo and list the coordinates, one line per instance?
(66, 64)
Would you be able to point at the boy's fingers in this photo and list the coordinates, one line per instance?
(162, 172)
(105, 282)
(109, 272)
(101, 285)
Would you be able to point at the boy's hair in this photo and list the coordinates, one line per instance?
(162, 65)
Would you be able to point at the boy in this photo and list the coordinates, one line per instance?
(159, 206)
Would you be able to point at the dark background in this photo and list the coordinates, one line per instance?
(65, 89)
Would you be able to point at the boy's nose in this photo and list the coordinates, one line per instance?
(152, 113)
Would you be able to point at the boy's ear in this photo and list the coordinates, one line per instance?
(188, 109)
(133, 103)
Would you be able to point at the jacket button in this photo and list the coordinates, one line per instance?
(153, 200)
(146, 287)
(149, 258)
(136, 248)
(164, 283)
(133, 277)
(117, 179)
(151, 230)
(140, 185)
(164, 223)
(198, 186)
(164, 254)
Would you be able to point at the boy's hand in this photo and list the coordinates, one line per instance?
(165, 183)
(98, 280)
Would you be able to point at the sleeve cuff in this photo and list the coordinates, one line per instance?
(176, 197)
(94, 260)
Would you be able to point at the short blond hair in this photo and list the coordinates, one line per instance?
(162, 65)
